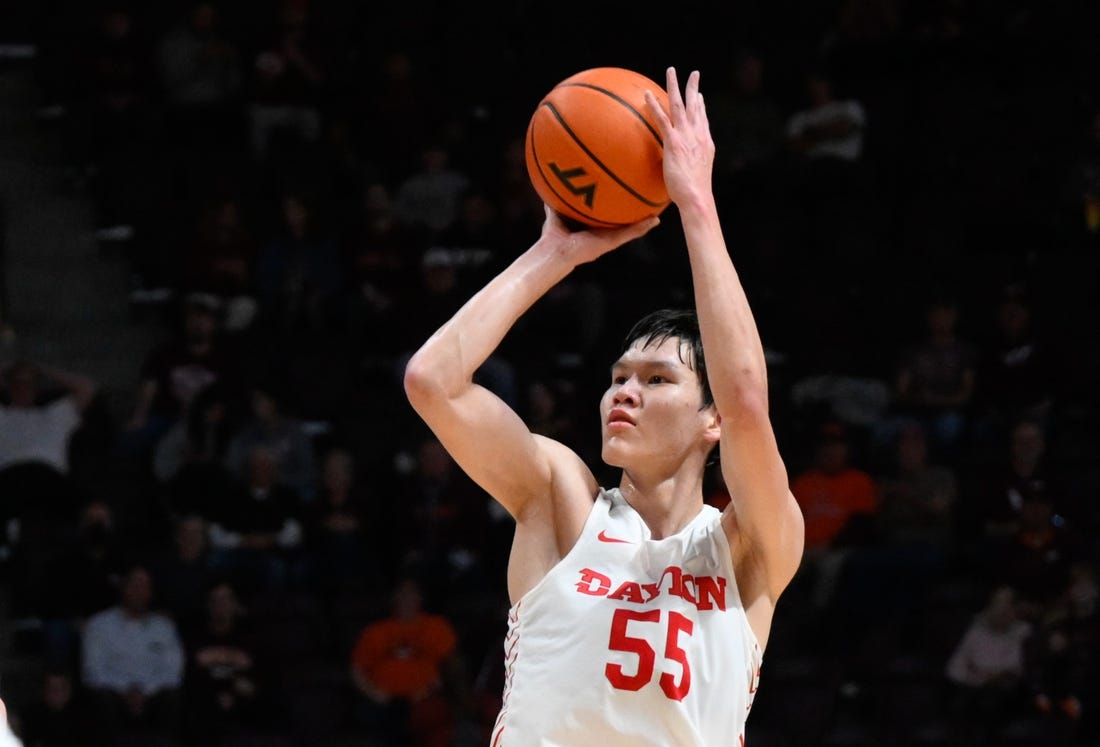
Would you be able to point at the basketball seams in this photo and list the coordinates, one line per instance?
(580, 143)
(562, 199)
(611, 94)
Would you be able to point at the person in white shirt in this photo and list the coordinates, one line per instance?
(32, 431)
(639, 614)
(132, 659)
(829, 127)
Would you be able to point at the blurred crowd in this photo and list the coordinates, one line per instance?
(268, 549)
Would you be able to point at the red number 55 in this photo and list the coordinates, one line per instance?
(622, 641)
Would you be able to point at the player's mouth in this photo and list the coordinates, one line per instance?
(619, 419)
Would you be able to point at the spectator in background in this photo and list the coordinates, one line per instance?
(917, 495)
(33, 431)
(986, 666)
(201, 79)
(256, 536)
(1063, 656)
(176, 370)
(270, 426)
(1016, 370)
(838, 501)
(37, 494)
(398, 667)
(60, 715)
(429, 198)
(1020, 472)
(442, 523)
(748, 124)
(298, 270)
(828, 128)
(132, 662)
(288, 79)
(81, 580)
(934, 382)
(1037, 557)
(224, 690)
(221, 259)
(182, 571)
(199, 441)
(339, 542)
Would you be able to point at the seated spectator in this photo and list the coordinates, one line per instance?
(33, 431)
(182, 571)
(986, 666)
(835, 495)
(60, 715)
(1016, 367)
(256, 536)
(132, 662)
(220, 259)
(1037, 557)
(270, 425)
(934, 382)
(201, 77)
(1020, 472)
(38, 497)
(1063, 656)
(838, 501)
(224, 690)
(177, 369)
(917, 495)
(828, 128)
(441, 523)
(398, 668)
(198, 441)
(338, 539)
(297, 271)
(429, 198)
(81, 580)
(287, 82)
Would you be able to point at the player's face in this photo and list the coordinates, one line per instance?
(652, 411)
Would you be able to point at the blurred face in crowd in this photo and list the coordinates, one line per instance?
(57, 691)
(199, 323)
(191, 537)
(750, 74)
(21, 385)
(1001, 612)
(407, 600)
(435, 462)
(222, 604)
(941, 319)
(263, 469)
(1027, 443)
(137, 592)
(337, 473)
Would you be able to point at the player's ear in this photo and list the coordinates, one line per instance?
(714, 424)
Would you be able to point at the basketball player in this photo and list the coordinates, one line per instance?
(640, 614)
(7, 738)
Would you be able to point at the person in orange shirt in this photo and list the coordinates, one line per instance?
(837, 499)
(398, 665)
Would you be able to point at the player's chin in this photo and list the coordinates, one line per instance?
(613, 454)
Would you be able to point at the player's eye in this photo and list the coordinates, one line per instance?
(618, 380)
(657, 379)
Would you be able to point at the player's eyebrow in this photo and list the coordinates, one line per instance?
(659, 364)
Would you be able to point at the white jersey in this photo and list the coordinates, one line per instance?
(631, 641)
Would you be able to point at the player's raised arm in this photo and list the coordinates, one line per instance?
(485, 436)
(763, 521)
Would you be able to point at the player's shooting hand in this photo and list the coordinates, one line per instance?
(688, 144)
(587, 245)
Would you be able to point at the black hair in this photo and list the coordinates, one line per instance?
(683, 324)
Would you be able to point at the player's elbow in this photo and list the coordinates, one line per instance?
(421, 382)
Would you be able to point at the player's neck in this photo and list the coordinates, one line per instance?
(665, 504)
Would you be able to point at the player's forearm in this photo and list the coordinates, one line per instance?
(446, 363)
(735, 355)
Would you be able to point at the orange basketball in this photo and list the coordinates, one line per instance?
(593, 151)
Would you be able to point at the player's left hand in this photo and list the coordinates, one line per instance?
(688, 144)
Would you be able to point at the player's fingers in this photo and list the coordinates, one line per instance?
(658, 113)
(675, 99)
